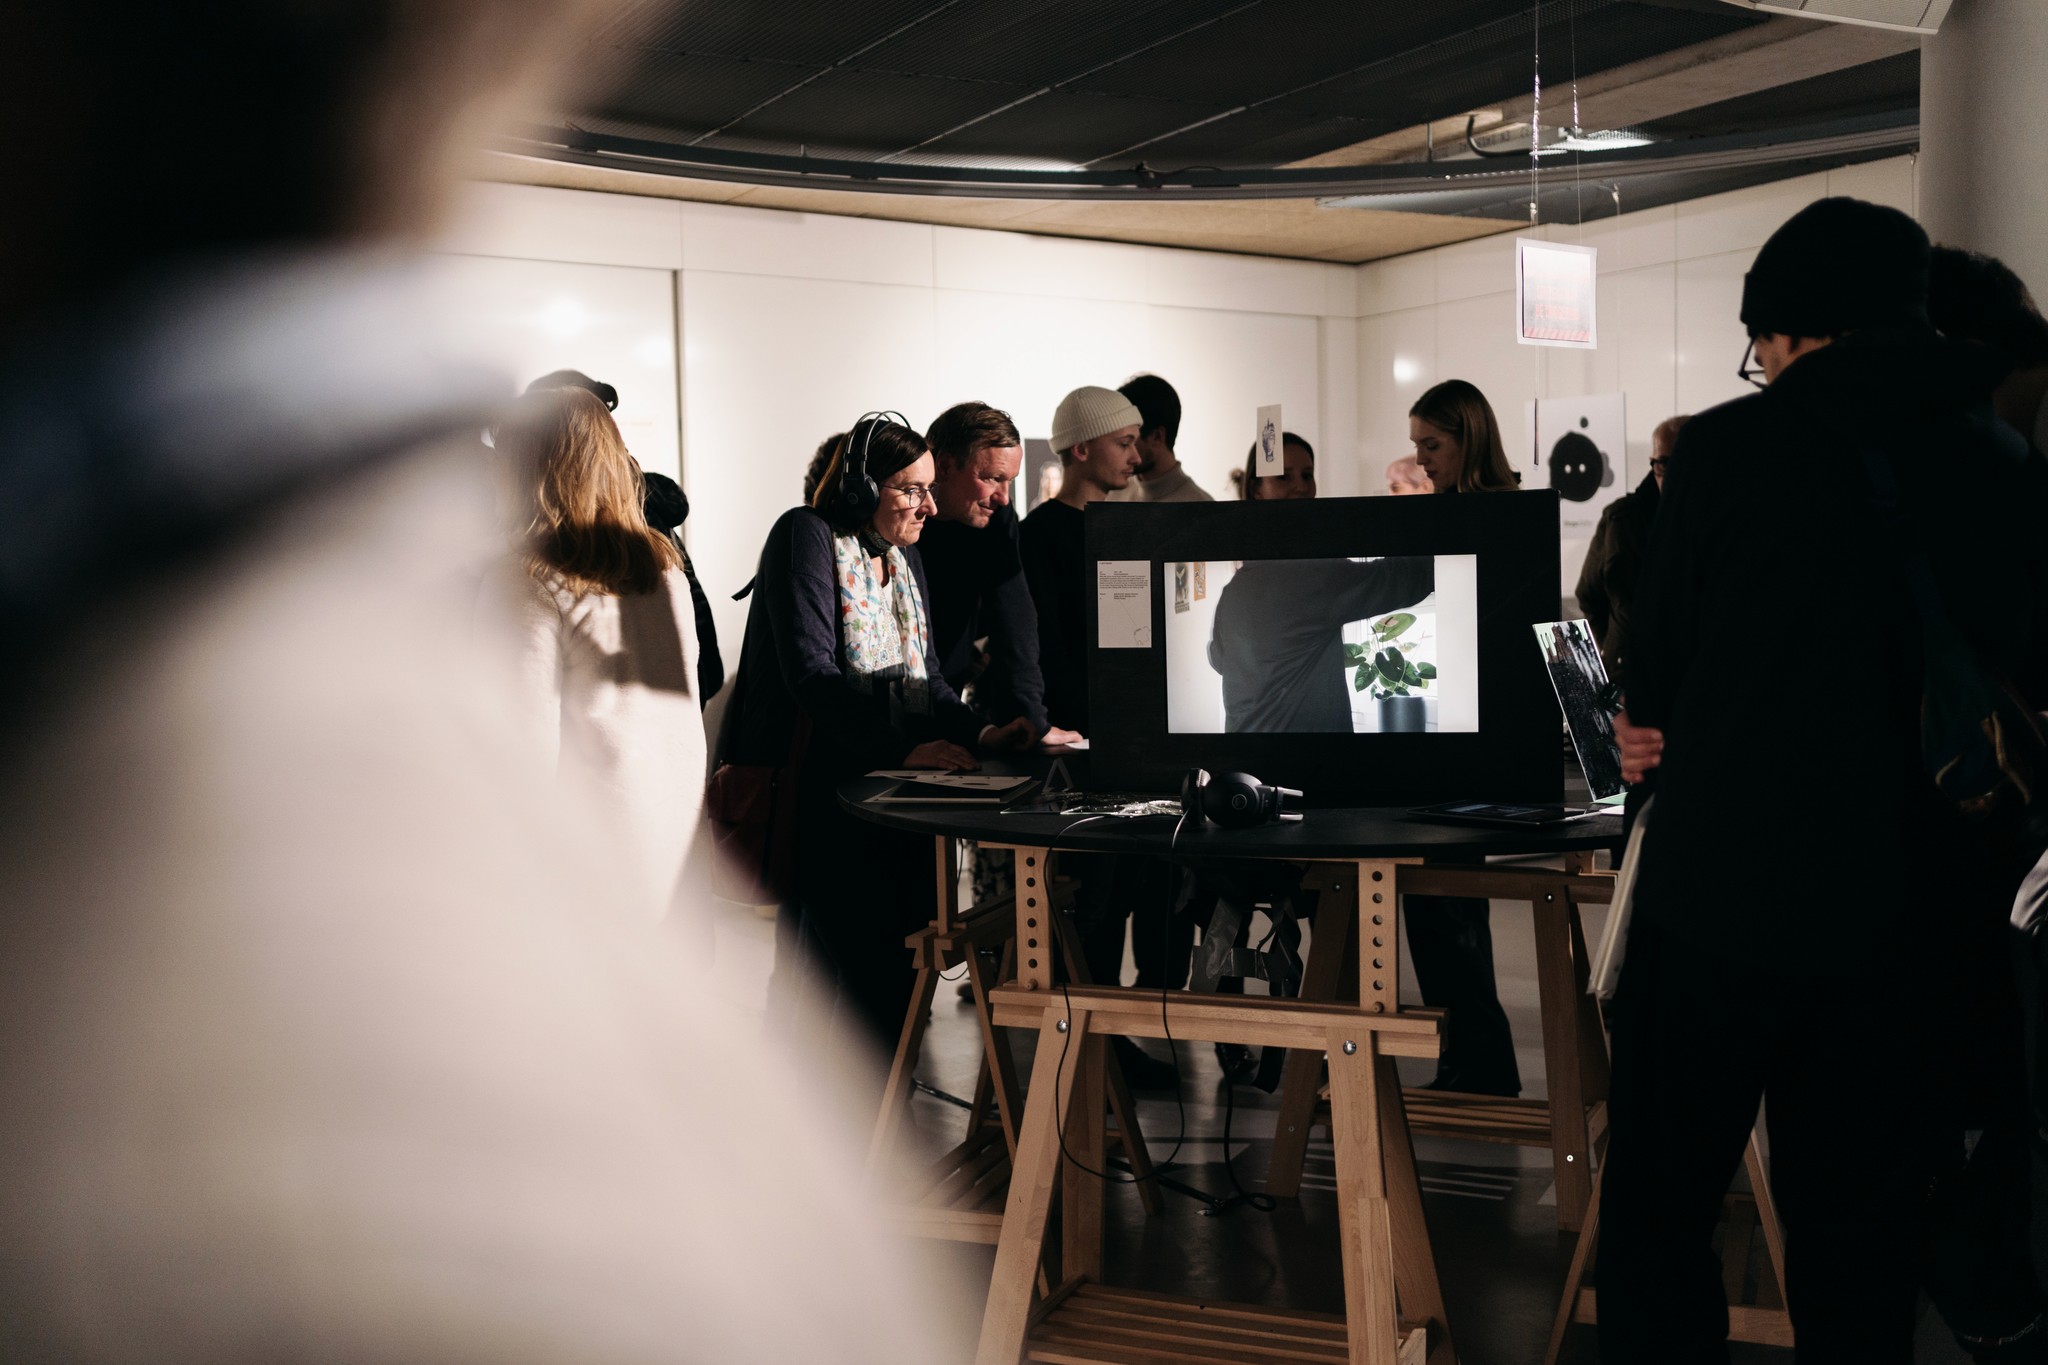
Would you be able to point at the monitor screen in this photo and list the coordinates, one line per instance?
(1367, 651)
(1360, 645)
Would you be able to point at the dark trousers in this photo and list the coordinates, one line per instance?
(863, 890)
(1842, 1069)
(1451, 941)
(1111, 889)
(1162, 938)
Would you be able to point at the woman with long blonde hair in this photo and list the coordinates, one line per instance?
(607, 632)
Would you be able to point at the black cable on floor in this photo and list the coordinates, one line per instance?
(1172, 1161)
(1264, 1203)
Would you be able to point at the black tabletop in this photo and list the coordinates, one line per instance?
(1345, 832)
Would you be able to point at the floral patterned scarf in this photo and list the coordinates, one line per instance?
(882, 628)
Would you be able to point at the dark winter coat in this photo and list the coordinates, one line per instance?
(790, 665)
(1614, 562)
(1776, 647)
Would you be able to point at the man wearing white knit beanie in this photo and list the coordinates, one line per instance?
(1095, 430)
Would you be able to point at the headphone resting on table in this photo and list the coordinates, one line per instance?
(1234, 800)
(857, 495)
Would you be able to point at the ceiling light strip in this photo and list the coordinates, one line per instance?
(1848, 138)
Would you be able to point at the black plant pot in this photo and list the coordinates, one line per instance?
(1403, 715)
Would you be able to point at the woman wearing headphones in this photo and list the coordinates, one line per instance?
(835, 680)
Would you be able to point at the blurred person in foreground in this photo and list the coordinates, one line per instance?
(666, 507)
(837, 678)
(1789, 996)
(607, 639)
(319, 1044)
(1614, 561)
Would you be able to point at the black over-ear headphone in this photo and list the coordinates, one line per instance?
(857, 496)
(1234, 800)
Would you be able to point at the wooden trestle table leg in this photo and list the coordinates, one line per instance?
(1767, 1212)
(1082, 1151)
(1301, 1083)
(1745, 1323)
(1379, 934)
(1561, 983)
(1415, 1279)
(896, 1098)
(1575, 1278)
(1121, 1106)
(1032, 1173)
(1371, 1321)
(998, 1069)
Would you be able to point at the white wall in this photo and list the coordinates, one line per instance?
(615, 322)
(1670, 289)
(783, 327)
(792, 324)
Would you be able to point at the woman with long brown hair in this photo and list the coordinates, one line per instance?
(607, 631)
(1457, 440)
(1457, 443)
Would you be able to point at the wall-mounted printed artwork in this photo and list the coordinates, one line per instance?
(1581, 450)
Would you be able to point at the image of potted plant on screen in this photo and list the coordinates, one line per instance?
(1390, 667)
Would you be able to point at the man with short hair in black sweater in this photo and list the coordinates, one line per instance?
(977, 577)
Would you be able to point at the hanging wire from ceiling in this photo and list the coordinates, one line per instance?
(1571, 19)
(1536, 110)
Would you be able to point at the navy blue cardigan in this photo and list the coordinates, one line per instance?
(790, 663)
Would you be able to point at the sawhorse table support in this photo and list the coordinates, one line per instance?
(1574, 1047)
(1387, 1261)
(1764, 1322)
(960, 1197)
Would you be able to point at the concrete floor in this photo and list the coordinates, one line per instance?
(1490, 1208)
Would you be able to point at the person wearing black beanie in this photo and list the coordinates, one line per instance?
(1776, 638)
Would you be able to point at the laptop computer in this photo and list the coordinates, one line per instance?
(1579, 677)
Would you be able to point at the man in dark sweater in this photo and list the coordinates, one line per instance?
(1614, 561)
(977, 576)
(1095, 431)
(1791, 994)
(1279, 640)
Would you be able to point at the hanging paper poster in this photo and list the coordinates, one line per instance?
(1554, 294)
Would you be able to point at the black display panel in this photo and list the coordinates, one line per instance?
(1368, 651)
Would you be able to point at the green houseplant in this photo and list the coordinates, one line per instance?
(1383, 667)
